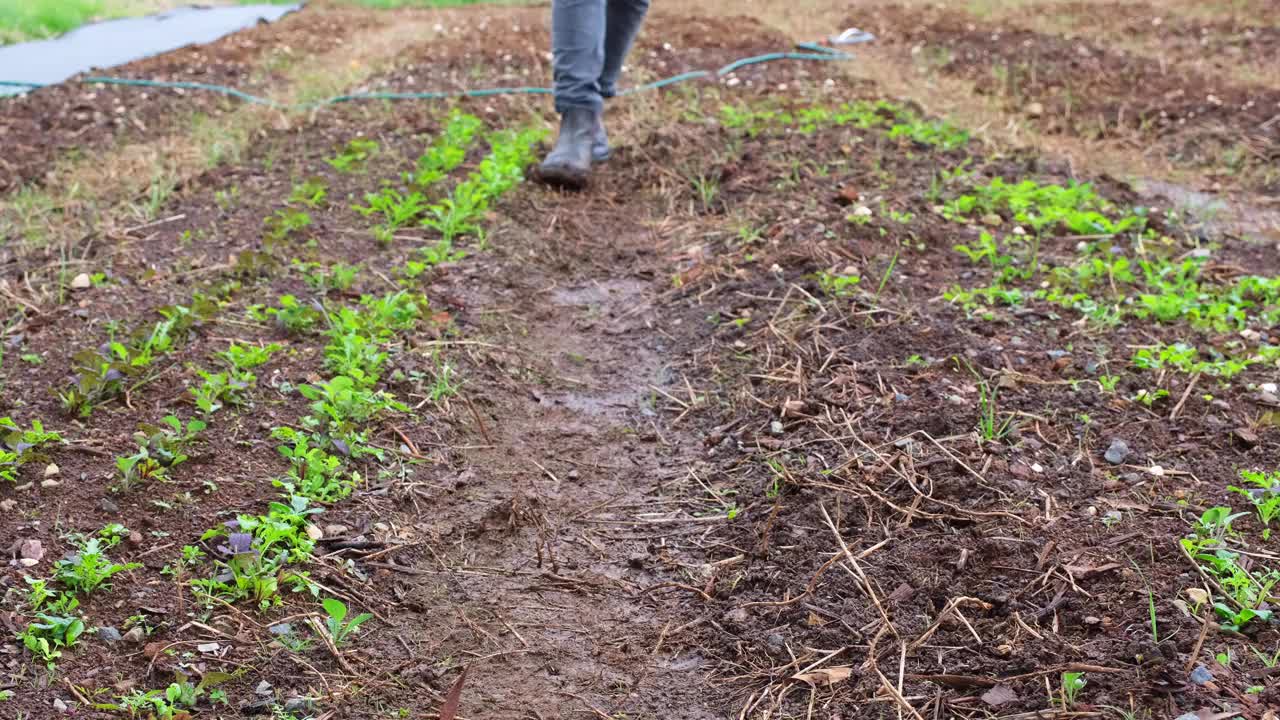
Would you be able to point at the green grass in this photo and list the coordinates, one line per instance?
(22, 20)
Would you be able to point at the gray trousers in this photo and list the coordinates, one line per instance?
(589, 41)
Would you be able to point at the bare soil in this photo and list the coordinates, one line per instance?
(677, 478)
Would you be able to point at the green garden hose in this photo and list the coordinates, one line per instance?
(813, 51)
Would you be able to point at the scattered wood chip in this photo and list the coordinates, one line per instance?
(823, 677)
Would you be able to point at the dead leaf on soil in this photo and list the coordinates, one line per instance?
(451, 701)
(999, 695)
(823, 677)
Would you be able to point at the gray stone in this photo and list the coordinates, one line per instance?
(281, 629)
(1201, 675)
(1117, 453)
(108, 635)
(299, 704)
(60, 706)
(264, 688)
(107, 505)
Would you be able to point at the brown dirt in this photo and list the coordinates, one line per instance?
(1085, 89)
(637, 507)
(44, 127)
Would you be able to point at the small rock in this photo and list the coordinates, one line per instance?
(207, 648)
(81, 282)
(1245, 436)
(281, 629)
(299, 705)
(30, 550)
(775, 641)
(50, 483)
(135, 636)
(135, 538)
(1268, 387)
(1035, 109)
(257, 707)
(107, 505)
(314, 532)
(382, 527)
(50, 470)
(1117, 453)
(737, 616)
(8, 505)
(60, 706)
(335, 530)
(775, 427)
(264, 688)
(1201, 675)
(108, 635)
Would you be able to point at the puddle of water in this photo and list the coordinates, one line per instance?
(1218, 212)
(115, 42)
(599, 293)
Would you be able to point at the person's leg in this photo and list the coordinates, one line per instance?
(578, 52)
(622, 22)
(577, 47)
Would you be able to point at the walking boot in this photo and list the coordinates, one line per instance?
(568, 165)
(599, 141)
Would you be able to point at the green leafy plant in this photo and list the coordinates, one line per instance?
(353, 157)
(19, 447)
(1072, 684)
(291, 315)
(310, 193)
(50, 634)
(339, 627)
(313, 472)
(285, 224)
(89, 568)
(1264, 496)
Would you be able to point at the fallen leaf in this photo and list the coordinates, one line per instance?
(451, 701)
(824, 676)
(999, 695)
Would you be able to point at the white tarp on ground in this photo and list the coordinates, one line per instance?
(115, 42)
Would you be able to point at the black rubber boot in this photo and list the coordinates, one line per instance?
(599, 141)
(568, 164)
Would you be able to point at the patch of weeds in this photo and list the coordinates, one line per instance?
(354, 156)
(19, 447)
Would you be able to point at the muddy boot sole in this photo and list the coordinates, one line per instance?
(562, 176)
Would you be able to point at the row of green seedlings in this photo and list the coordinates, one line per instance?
(259, 549)
(460, 213)
(898, 121)
(1250, 587)
(1103, 282)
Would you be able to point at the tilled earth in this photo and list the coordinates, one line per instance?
(677, 471)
